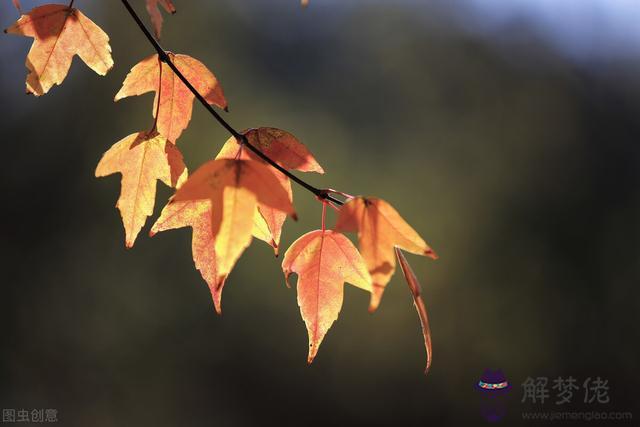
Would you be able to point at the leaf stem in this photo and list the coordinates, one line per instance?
(158, 97)
(164, 57)
(324, 214)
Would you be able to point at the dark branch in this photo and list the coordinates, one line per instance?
(164, 57)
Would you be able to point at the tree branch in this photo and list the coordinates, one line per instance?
(164, 57)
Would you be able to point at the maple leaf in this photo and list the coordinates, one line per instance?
(59, 34)
(288, 152)
(416, 292)
(173, 102)
(141, 158)
(323, 260)
(218, 202)
(380, 227)
(156, 16)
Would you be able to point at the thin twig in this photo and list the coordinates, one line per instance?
(164, 57)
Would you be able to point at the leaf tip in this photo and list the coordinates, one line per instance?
(286, 278)
(376, 296)
(216, 293)
(431, 254)
(313, 350)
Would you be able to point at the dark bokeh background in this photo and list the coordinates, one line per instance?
(515, 158)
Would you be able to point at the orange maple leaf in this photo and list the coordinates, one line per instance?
(156, 16)
(59, 33)
(173, 102)
(323, 260)
(288, 152)
(218, 202)
(416, 292)
(380, 227)
(141, 158)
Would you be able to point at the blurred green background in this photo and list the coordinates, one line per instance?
(514, 157)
